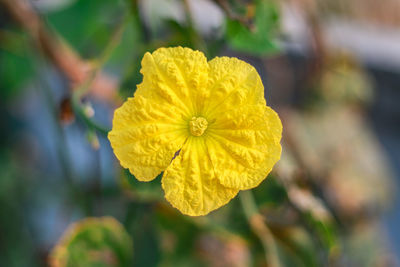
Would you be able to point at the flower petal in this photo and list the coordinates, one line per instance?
(190, 183)
(244, 145)
(149, 128)
(146, 135)
(232, 82)
(175, 75)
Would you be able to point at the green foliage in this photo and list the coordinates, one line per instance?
(94, 242)
(270, 192)
(258, 39)
(15, 66)
(143, 192)
(161, 235)
(87, 24)
(141, 223)
(13, 193)
(178, 242)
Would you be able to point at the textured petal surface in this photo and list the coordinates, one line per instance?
(146, 135)
(150, 127)
(190, 183)
(244, 135)
(232, 82)
(176, 76)
(214, 113)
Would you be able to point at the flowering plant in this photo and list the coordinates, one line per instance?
(205, 124)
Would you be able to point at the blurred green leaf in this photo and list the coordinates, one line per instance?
(14, 188)
(87, 24)
(297, 244)
(15, 69)
(126, 54)
(141, 224)
(94, 242)
(142, 191)
(270, 192)
(260, 39)
(328, 234)
(180, 34)
(179, 235)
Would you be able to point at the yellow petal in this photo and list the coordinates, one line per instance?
(232, 82)
(151, 127)
(177, 76)
(146, 135)
(244, 145)
(190, 183)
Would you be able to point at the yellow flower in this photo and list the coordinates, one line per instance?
(205, 124)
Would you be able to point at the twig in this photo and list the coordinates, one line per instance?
(82, 89)
(57, 51)
(260, 229)
(224, 5)
(310, 175)
(196, 38)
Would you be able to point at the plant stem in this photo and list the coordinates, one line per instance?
(260, 229)
(196, 38)
(83, 89)
(51, 45)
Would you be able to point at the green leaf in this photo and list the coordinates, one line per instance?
(260, 39)
(87, 24)
(180, 233)
(94, 242)
(142, 191)
(270, 192)
(15, 69)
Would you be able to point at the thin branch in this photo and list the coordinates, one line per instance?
(310, 175)
(82, 89)
(260, 229)
(196, 38)
(115, 40)
(58, 51)
(245, 21)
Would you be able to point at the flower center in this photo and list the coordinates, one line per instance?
(197, 126)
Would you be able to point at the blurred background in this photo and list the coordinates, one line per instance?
(331, 69)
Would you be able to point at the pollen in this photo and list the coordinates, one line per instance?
(197, 126)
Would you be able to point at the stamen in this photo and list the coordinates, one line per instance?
(197, 126)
